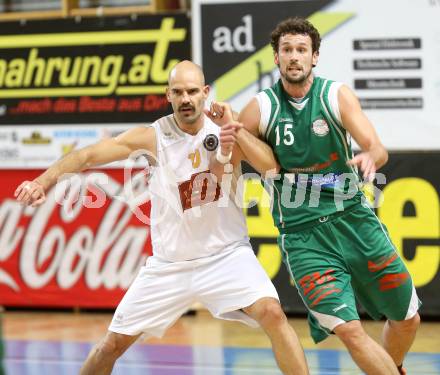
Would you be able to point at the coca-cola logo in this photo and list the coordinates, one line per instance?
(108, 255)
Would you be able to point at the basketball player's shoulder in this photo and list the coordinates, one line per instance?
(323, 84)
(164, 124)
(167, 130)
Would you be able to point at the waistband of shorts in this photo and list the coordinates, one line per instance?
(315, 222)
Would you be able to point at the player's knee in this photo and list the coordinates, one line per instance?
(110, 348)
(351, 334)
(413, 323)
(272, 314)
(408, 325)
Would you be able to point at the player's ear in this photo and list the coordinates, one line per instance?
(206, 90)
(168, 94)
(276, 59)
(315, 58)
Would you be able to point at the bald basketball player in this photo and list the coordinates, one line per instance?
(201, 251)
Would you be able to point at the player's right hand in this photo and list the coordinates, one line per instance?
(30, 193)
(220, 113)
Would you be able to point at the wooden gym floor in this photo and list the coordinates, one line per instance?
(42, 343)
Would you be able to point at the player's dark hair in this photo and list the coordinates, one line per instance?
(295, 25)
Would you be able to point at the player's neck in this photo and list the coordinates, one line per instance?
(190, 128)
(298, 90)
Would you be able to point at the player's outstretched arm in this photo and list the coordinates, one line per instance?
(373, 155)
(103, 152)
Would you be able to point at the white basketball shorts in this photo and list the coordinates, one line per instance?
(163, 291)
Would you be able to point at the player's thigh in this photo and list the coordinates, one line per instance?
(233, 282)
(387, 289)
(158, 296)
(380, 278)
(320, 275)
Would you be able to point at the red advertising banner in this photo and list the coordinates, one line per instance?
(76, 254)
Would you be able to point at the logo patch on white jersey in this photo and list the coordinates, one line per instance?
(199, 190)
(320, 127)
(210, 142)
(168, 134)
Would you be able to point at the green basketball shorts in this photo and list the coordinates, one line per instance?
(342, 256)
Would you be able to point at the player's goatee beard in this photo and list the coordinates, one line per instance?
(298, 80)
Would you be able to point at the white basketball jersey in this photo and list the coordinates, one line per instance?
(191, 218)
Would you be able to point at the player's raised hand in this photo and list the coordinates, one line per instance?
(30, 193)
(220, 113)
(365, 162)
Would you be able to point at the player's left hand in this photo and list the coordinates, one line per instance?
(220, 113)
(228, 136)
(365, 162)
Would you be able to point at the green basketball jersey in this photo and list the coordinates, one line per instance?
(312, 148)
